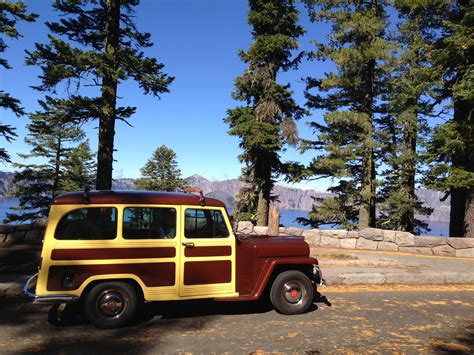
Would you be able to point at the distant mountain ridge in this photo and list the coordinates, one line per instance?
(289, 198)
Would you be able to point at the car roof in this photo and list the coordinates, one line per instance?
(135, 197)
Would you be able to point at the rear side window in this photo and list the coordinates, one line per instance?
(149, 223)
(88, 224)
(200, 223)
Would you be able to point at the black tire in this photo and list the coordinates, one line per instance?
(291, 292)
(110, 304)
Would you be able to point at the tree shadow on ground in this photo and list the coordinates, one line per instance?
(461, 343)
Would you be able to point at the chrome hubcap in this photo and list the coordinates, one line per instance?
(110, 303)
(293, 292)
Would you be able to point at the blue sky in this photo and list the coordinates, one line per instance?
(198, 42)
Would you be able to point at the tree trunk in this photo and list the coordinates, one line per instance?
(109, 99)
(457, 213)
(410, 131)
(367, 194)
(274, 219)
(469, 215)
(461, 221)
(262, 208)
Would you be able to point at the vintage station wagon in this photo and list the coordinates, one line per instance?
(111, 251)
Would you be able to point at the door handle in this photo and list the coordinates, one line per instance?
(189, 244)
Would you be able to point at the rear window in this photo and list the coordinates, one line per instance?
(200, 223)
(95, 223)
(149, 223)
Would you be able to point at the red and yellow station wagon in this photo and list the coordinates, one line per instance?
(112, 250)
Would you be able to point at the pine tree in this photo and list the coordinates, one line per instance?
(358, 47)
(267, 121)
(10, 13)
(412, 80)
(51, 136)
(450, 151)
(109, 50)
(79, 168)
(161, 172)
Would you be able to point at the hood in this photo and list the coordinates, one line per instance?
(270, 246)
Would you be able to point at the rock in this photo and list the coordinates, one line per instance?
(335, 233)
(329, 242)
(245, 227)
(371, 234)
(281, 230)
(429, 241)
(294, 231)
(23, 227)
(312, 237)
(465, 253)
(260, 230)
(352, 234)
(389, 236)
(416, 250)
(348, 243)
(370, 278)
(40, 223)
(15, 237)
(444, 250)
(34, 235)
(6, 228)
(405, 239)
(387, 246)
(367, 244)
(3, 237)
(461, 243)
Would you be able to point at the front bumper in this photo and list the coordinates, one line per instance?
(318, 276)
(47, 298)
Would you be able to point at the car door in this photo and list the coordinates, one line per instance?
(153, 233)
(207, 253)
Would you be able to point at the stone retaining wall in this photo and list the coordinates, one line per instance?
(22, 233)
(375, 239)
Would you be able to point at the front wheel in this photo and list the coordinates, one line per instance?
(291, 292)
(111, 304)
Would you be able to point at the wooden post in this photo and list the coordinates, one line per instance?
(274, 219)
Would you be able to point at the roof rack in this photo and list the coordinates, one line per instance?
(189, 190)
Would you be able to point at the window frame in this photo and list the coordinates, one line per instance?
(225, 221)
(122, 222)
(82, 207)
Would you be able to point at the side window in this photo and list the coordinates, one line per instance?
(201, 223)
(88, 224)
(149, 223)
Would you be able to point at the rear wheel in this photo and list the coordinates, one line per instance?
(111, 304)
(291, 292)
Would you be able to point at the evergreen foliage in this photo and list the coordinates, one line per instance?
(267, 121)
(409, 103)
(352, 95)
(161, 172)
(96, 44)
(449, 29)
(10, 13)
(58, 165)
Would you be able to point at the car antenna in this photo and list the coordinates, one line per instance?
(86, 197)
(189, 189)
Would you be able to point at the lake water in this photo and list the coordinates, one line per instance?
(287, 218)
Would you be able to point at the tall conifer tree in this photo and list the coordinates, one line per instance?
(267, 121)
(10, 13)
(413, 79)
(451, 148)
(96, 43)
(352, 94)
(57, 168)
